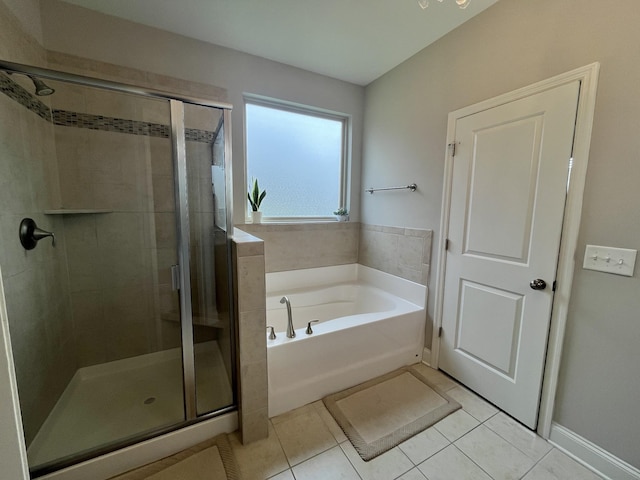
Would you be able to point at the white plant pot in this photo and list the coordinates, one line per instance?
(342, 218)
(256, 217)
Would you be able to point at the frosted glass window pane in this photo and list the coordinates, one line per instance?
(297, 159)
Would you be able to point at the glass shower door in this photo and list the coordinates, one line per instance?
(112, 203)
(209, 257)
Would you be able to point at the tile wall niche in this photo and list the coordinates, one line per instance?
(36, 286)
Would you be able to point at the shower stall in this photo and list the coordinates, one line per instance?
(121, 320)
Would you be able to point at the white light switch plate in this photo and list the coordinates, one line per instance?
(620, 261)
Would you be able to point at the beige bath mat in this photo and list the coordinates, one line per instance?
(209, 460)
(382, 413)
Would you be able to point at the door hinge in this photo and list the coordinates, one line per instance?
(446, 244)
(439, 332)
(555, 284)
(175, 277)
(452, 148)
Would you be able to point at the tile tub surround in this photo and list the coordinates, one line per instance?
(294, 246)
(250, 297)
(404, 252)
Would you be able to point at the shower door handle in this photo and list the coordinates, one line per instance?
(175, 277)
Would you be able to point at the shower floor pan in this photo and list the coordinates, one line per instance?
(121, 399)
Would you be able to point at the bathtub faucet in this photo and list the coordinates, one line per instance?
(290, 331)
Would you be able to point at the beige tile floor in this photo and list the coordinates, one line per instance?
(478, 442)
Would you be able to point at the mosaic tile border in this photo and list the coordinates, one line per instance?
(67, 118)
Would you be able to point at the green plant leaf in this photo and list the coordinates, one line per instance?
(253, 205)
(254, 195)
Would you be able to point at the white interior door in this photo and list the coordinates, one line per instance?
(509, 181)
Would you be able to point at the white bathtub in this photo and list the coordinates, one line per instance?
(370, 323)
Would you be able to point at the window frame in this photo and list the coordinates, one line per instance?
(345, 161)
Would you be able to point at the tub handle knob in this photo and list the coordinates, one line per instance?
(272, 334)
(309, 331)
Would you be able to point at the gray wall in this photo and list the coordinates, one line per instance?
(510, 45)
(78, 31)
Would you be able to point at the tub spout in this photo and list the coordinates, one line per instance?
(290, 331)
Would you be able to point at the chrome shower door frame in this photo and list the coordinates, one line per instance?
(184, 272)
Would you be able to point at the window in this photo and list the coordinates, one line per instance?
(298, 156)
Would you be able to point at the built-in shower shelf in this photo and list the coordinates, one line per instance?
(197, 320)
(76, 211)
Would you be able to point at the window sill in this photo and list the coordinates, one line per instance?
(292, 220)
(297, 225)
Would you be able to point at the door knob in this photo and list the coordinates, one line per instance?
(538, 284)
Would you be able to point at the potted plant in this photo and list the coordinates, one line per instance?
(342, 214)
(255, 199)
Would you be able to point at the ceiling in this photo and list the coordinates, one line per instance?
(352, 40)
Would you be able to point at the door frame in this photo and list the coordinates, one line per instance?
(588, 77)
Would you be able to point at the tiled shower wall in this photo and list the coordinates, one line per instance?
(145, 199)
(115, 157)
(113, 256)
(35, 281)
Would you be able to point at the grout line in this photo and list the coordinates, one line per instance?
(349, 460)
(313, 456)
(536, 463)
(471, 459)
(512, 444)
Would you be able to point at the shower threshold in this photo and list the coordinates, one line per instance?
(107, 403)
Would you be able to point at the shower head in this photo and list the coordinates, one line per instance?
(42, 89)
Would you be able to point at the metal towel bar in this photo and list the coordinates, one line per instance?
(411, 187)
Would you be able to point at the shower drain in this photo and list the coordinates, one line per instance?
(149, 400)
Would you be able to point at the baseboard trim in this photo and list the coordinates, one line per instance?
(426, 356)
(591, 455)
